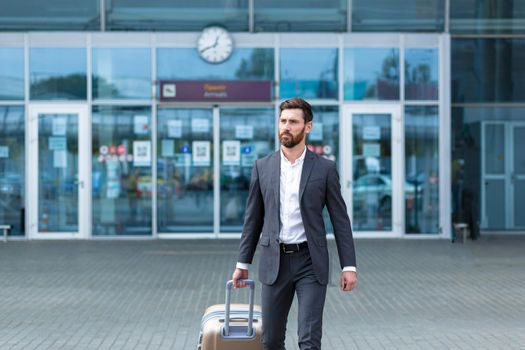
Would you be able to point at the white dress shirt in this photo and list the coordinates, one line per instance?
(292, 230)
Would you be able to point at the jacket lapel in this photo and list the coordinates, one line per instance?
(276, 178)
(308, 164)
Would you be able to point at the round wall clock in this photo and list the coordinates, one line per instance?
(215, 45)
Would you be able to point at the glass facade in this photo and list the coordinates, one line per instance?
(121, 171)
(488, 70)
(58, 168)
(421, 169)
(324, 51)
(39, 15)
(58, 74)
(12, 169)
(487, 16)
(185, 170)
(186, 15)
(244, 64)
(421, 74)
(246, 135)
(398, 16)
(11, 73)
(300, 16)
(371, 74)
(372, 188)
(324, 141)
(121, 73)
(310, 73)
(487, 166)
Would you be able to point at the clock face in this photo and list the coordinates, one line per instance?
(215, 45)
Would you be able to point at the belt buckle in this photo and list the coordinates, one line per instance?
(290, 251)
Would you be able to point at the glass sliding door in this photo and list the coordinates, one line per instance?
(185, 170)
(503, 164)
(246, 135)
(121, 171)
(421, 169)
(58, 173)
(12, 168)
(371, 172)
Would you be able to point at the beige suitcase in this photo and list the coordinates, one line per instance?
(232, 326)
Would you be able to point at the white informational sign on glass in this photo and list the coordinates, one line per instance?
(231, 152)
(201, 153)
(60, 159)
(175, 128)
(141, 153)
(140, 124)
(59, 126)
(371, 133)
(244, 132)
(168, 148)
(4, 152)
(57, 143)
(200, 125)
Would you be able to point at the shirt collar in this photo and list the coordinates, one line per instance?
(298, 161)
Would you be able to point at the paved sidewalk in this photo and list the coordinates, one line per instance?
(412, 294)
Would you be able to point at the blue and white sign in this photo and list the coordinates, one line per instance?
(244, 132)
(57, 143)
(4, 152)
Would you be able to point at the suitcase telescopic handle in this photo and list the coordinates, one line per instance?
(227, 304)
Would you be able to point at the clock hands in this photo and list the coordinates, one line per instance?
(211, 46)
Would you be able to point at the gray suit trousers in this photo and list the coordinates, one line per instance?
(296, 276)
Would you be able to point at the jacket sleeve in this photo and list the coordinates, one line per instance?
(253, 219)
(340, 220)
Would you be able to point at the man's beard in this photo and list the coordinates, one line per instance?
(291, 141)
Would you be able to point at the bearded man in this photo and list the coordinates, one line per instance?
(284, 217)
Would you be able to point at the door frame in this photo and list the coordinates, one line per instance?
(398, 155)
(512, 176)
(508, 149)
(84, 169)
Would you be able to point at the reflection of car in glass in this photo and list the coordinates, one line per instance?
(379, 188)
(144, 186)
(165, 188)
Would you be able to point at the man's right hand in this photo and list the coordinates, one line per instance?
(238, 275)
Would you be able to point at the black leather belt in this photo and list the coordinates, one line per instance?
(293, 248)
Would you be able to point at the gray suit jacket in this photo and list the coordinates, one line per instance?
(319, 186)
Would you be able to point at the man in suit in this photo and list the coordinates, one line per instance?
(284, 215)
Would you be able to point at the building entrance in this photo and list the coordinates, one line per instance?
(503, 175)
(373, 186)
(58, 170)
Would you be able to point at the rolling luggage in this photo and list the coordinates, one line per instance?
(232, 326)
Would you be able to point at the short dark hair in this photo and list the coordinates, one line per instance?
(298, 103)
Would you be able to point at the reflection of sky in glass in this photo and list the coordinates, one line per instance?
(252, 64)
(56, 62)
(309, 73)
(371, 73)
(422, 57)
(126, 70)
(11, 73)
(421, 74)
(308, 64)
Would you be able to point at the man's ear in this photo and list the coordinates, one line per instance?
(309, 127)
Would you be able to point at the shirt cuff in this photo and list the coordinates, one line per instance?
(243, 266)
(349, 268)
